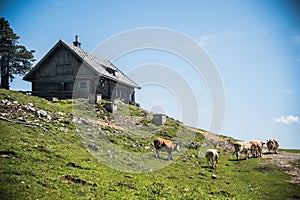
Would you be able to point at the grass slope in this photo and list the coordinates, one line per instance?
(51, 161)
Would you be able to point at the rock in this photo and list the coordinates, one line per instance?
(213, 176)
(42, 113)
(60, 113)
(84, 121)
(49, 118)
(3, 114)
(30, 107)
(4, 101)
(110, 156)
(93, 147)
(21, 119)
(254, 188)
(194, 145)
(80, 120)
(127, 176)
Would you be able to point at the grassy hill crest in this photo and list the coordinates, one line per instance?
(52, 150)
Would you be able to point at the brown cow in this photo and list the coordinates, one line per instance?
(166, 145)
(242, 147)
(273, 145)
(256, 148)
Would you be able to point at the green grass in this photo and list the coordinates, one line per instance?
(290, 150)
(56, 164)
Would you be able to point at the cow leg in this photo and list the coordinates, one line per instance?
(260, 153)
(247, 155)
(217, 161)
(237, 155)
(157, 154)
(170, 156)
(253, 151)
(212, 163)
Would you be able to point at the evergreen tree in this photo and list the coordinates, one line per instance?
(15, 59)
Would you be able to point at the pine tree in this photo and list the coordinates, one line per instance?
(15, 59)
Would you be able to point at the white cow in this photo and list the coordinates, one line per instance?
(212, 156)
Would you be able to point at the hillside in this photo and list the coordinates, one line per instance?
(73, 150)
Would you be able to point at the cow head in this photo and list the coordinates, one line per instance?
(276, 143)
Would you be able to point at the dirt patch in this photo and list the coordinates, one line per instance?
(69, 178)
(111, 125)
(264, 169)
(287, 162)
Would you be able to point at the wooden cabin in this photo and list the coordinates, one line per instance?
(67, 71)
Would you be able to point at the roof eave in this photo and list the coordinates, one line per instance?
(27, 76)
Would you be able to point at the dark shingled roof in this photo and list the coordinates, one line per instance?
(100, 65)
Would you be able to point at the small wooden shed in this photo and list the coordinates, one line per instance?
(67, 71)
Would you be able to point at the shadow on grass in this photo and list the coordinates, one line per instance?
(208, 167)
(235, 160)
(164, 158)
(269, 153)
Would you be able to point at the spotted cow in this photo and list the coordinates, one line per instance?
(242, 147)
(273, 145)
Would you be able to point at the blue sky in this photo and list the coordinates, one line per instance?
(255, 46)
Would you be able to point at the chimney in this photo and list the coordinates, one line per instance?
(76, 43)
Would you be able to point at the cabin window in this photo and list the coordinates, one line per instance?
(83, 85)
(64, 69)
